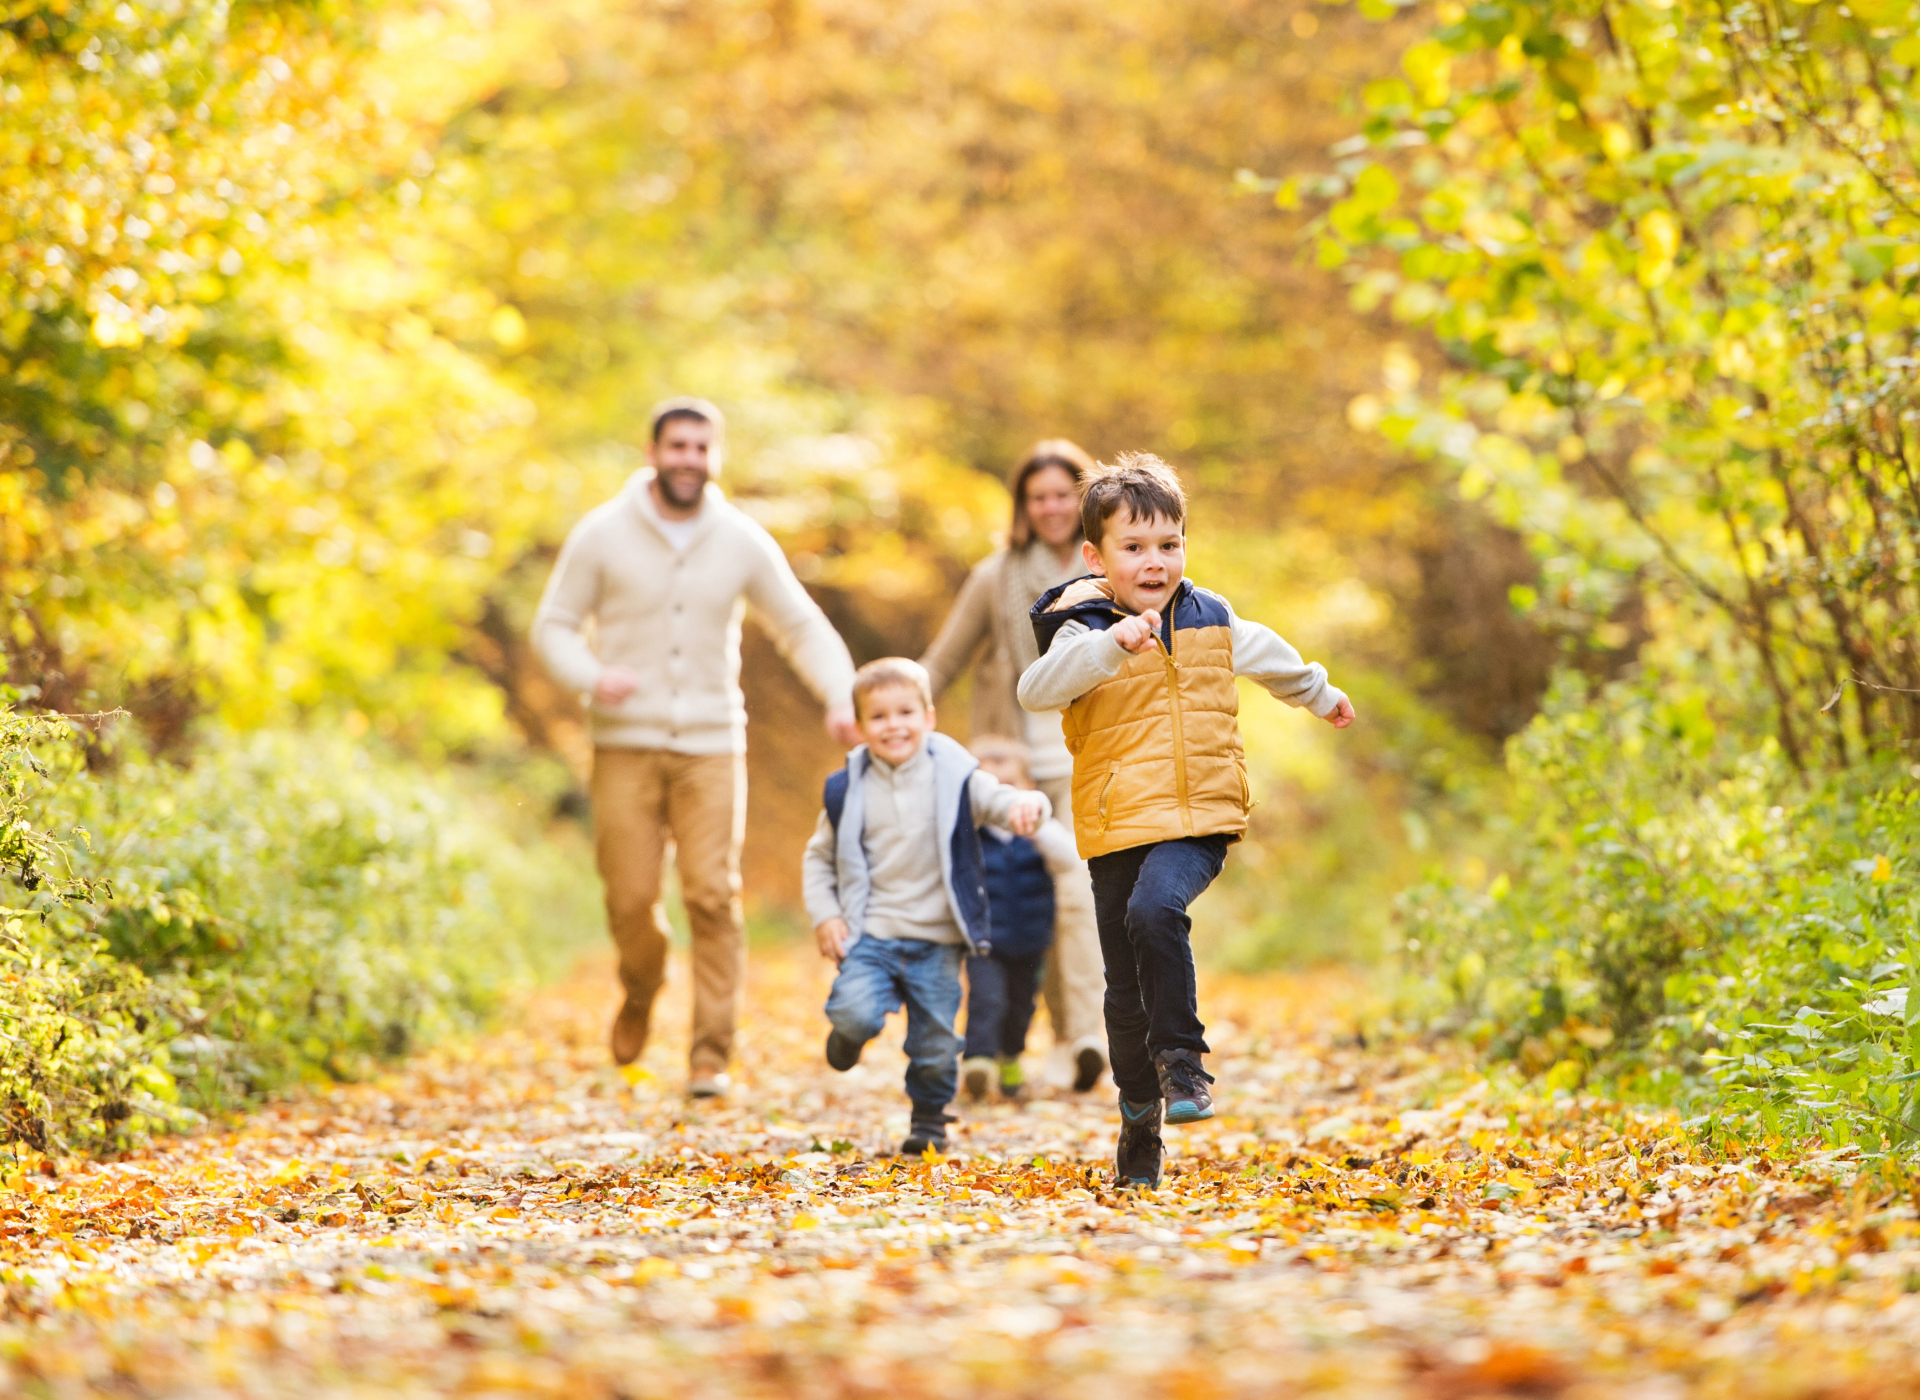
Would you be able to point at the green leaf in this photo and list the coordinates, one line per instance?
(1870, 258)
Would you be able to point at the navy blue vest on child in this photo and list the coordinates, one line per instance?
(1019, 894)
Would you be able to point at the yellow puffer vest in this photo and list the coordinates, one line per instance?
(1156, 749)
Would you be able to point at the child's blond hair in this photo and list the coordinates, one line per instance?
(988, 747)
(891, 670)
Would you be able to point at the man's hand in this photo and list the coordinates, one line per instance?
(831, 938)
(1028, 811)
(842, 725)
(616, 683)
(1342, 715)
(1136, 633)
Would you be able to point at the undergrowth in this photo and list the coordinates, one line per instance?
(1679, 913)
(287, 906)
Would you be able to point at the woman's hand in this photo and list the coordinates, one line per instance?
(831, 938)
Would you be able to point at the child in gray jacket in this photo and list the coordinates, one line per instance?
(895, 885)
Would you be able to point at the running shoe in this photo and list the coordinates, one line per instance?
(1137, 1163)
(1183, 1084)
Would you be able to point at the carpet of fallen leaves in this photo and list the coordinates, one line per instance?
(519, 1218)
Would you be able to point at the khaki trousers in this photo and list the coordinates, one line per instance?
(1075, 984)
(645, 801)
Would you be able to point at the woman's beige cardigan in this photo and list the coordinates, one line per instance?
(978, 616)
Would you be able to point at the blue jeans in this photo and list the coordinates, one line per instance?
(877, 978)
(1140, 899)
(1000, 993)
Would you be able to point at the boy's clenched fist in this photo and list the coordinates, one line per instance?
(1136, 633)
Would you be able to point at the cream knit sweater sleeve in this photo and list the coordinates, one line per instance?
(573, 592)
(798, 627)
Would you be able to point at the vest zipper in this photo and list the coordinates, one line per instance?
(1179, 729)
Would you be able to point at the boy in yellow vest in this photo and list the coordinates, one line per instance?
(1142, 662)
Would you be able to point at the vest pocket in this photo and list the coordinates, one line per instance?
(1246, 788)
(1106, 794)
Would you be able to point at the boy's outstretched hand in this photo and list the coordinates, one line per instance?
(1135, 634)
(1342, 715)
(831, 938)
(1028, 811)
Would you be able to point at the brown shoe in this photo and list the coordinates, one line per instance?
(630, 1031)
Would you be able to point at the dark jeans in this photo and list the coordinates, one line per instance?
(878, 976)
(1140, 899)
(1000, 996)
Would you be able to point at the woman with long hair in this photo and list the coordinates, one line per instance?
(989, 620)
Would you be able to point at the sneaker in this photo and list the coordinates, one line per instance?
(1183, 1084)
(976, 1076)
(923, 1138)
(1013, 1080)
(1137, 1163)
(843, 1054)
(1088, 1065)
(709, 1086)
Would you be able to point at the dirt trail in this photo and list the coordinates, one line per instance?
(520, 1220)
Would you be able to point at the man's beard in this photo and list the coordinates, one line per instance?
(666, 482)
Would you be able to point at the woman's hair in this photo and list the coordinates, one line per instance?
(1070, 457)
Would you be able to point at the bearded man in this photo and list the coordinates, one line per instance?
(663, 573)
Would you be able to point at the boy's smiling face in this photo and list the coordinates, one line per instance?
(1144, 560)
(894, 722)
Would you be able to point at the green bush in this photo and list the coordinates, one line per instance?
(1681, 911)
(82, 1035)
(289, 906)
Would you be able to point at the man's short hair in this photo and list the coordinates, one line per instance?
(891, 670)
(685, 406)
(988, 747)
(1139, 481)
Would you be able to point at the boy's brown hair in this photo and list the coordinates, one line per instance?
(1138, 481)
(891, 670)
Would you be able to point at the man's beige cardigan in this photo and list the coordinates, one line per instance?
(673, 616)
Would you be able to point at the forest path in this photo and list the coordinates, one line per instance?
(517, 1219)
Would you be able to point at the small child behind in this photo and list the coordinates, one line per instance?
(894, 883)
(1028, 879)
